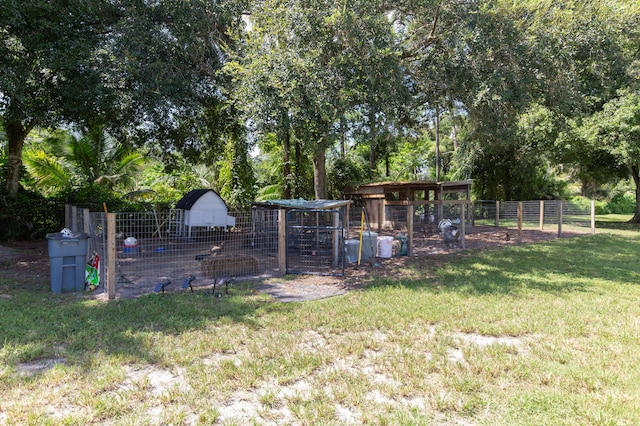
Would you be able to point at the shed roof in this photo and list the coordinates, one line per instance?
(302, 204)
(193, 196)
(382, 187)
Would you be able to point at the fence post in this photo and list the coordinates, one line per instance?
(335, 238)
(282, 242)
(541, 215)
(86, 227)
(462, 225)
(559, 218)
(473, 213)
(593, 216)
(497, 213)
(410, 230)
(86, 221)
(67, 216)
(111, 279)
(519, 221)
(348, 208)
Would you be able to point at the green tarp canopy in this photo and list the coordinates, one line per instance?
(301, 204)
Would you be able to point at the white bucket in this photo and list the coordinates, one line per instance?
(385, 247)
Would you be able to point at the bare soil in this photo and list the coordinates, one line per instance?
(25, 265)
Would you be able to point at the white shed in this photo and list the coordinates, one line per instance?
(202, 207)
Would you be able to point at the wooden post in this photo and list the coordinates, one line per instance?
(346, 221)
(86, 227)
(282, 242)
(410, 230)
(74, 219)
(497, 213)
(112, 257)
(380, 215)
(559, 218)
(86, 221)
(336, 239)
(519, 221)
(541, 215)
(462, 225)
(67, 216)
(593, 216)
(473, 213)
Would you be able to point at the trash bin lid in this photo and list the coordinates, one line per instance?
(59, 236)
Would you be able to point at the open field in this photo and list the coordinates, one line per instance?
(542, 333)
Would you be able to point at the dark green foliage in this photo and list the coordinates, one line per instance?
(236, 179)
(344, 172)
(28, 215)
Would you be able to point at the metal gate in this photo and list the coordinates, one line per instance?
(315, 242)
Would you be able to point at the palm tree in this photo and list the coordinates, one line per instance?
(63, 160)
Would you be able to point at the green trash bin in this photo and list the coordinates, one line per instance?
(68, 257)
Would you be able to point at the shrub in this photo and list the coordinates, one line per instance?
(622, 203)
(28, 215)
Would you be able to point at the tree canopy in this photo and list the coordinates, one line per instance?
(519, 96)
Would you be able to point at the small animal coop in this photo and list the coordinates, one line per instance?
(201, 208)
(314, 230)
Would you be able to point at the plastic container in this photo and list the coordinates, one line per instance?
(130, 245)
(351, 250)
(68, 257)
(385, 247)
(403, 244)
(369, 245)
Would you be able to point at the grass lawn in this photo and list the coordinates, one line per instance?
(540, 334)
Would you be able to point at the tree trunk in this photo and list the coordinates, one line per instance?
(16, 134)
(319, 172)
(635, 173)
(343, 137)
(372, 145)
(437, 144)
(299, 185)
(286, 160)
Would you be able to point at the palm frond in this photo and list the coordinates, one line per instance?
(48, 172)
(270, 192)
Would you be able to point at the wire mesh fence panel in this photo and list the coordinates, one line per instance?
(535, 214)
(551, 215)
(149, 251)
(315, 242)
(484, 212)
(576, 215)
(395, 218)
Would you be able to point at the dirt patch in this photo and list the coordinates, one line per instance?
(25, 265)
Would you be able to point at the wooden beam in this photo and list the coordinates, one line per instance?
(282, 242)
(410, 230)
(112, 257)
(519, 221)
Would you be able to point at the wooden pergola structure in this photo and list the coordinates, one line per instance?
(384, 202)
(435, 196)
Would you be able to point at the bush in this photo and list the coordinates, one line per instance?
(28, 215)
(622, 203)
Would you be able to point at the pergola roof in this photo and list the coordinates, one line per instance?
(382, 187)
